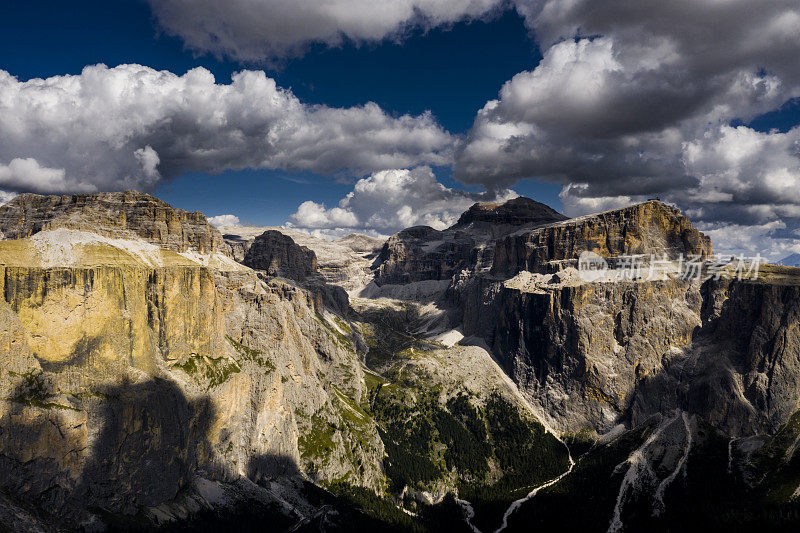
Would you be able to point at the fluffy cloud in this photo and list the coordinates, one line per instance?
(761, 239)
(594, 111)
(313, 215)
(575, 202)
(261, 30)
(224, 220)
(753, 176)
(27, 174)
(634, 98)
(132, 126)
(390, 200)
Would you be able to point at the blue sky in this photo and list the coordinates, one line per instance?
(449, 71)
(582, 108)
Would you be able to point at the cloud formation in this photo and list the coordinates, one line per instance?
(28, 175)
(391, 200)
(263, 30)
(632, 99)
(751, 240)
(621, 103)
(635, 98)
(130, 127)
(224, 220)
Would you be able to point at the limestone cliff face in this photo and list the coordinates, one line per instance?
(404, 258)
(139, 360)
(277, 254)
(90, 416)
(117, 214)
(128, 368)
(648, 228)
(580, 350)
(742, 370)
(593, 355)
(105, 317)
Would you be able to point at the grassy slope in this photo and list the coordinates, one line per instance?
(438, 436)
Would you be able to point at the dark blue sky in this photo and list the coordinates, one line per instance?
(452, 72)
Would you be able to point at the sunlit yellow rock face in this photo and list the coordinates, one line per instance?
(73, 316)
(99, 303)
(129, 365)
(104, 316)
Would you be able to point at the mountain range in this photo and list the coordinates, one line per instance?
(159, 373)
(790, 260)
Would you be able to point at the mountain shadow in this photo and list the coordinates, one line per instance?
(146, 448)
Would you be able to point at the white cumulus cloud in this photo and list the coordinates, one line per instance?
(390, 200)
(751, 240)
(224, 220)
(632, 99)
(131, 126)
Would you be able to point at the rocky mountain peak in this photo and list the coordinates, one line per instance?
(523, 234)
(518, 211)
(127, 214)
(278, 255)
(424, 253)
(652, 227)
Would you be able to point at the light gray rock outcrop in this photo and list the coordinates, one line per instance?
(115, 214)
